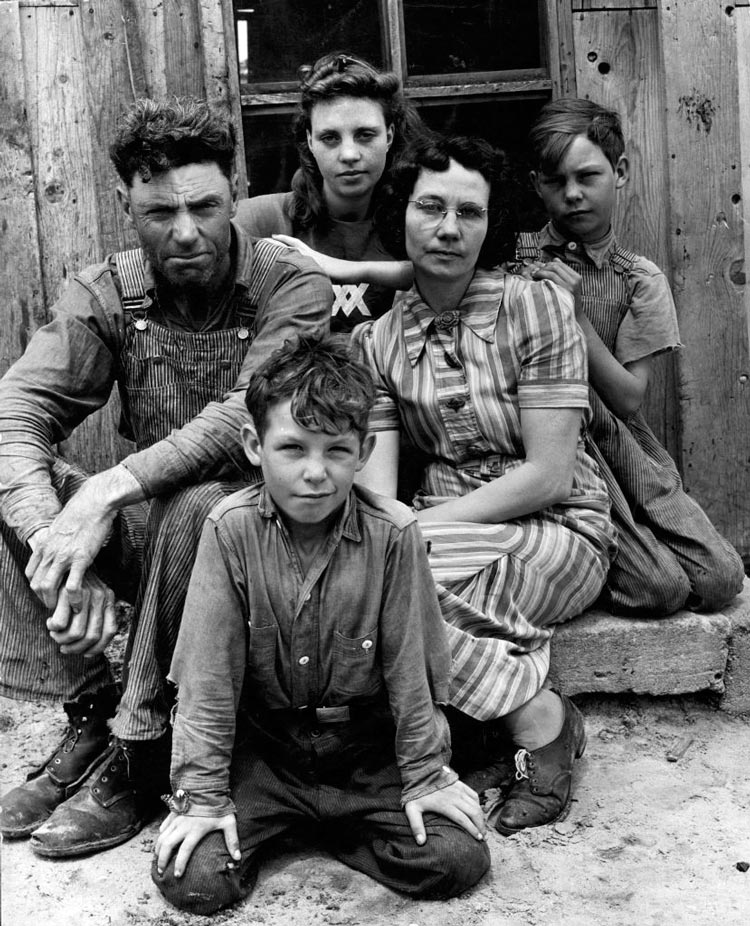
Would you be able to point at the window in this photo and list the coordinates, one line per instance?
(472, 67)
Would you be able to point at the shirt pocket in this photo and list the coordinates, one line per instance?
(262, 670)
(356, 666)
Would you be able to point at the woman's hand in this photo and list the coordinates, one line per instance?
(458, 802)
(181, 833)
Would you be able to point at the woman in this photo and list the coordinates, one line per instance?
(352, 121)
(487, 374)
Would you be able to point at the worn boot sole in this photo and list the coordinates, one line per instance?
(85, 848)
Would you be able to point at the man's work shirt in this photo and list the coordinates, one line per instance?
(72, 363)
(363, 627)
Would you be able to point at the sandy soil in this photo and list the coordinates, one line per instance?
(647, 841)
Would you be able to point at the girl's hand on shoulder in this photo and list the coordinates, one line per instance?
(565, 276)
(181, 833)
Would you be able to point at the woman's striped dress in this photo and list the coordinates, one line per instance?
(456, 384)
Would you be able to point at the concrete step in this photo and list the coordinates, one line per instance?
(686, 652)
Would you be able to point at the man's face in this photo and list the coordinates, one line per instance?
(307, 473)
(182, 218)
(579, 195)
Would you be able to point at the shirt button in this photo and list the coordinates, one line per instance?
(366, 644)
(303, 660)
(571, 246)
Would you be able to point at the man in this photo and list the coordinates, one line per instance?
(179, 325)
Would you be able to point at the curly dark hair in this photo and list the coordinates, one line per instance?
(342, 75)
(155, 136)
(330, 391)
(560, 121)
(435, 152)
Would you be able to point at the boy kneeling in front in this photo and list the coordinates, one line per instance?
(311, 655)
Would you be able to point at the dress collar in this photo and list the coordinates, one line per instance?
(476, 312)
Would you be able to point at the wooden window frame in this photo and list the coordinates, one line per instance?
(438, 89)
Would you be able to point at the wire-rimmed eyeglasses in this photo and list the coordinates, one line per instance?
(433, 213)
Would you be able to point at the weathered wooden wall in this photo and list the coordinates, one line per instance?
(677, 70)
(679, 74)
(69, 68)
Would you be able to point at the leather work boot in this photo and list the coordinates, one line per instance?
(62, 774)
(120, 797)
(542, 790)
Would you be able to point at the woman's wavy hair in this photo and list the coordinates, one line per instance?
(342, 75)
(435, 152)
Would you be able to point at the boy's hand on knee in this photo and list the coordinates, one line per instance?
(458, 802)
(182, 833)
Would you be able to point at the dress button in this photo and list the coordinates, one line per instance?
(303, 660)
(571, 246)
(455, 403)
(366, 644)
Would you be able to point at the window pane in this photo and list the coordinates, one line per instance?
(270, 153)
(445, 37)
(275, 37)
(505, 125)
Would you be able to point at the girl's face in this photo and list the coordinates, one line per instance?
(349, 140)
(447, 247)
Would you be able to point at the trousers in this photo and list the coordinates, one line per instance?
(147, 562)
(354, 812)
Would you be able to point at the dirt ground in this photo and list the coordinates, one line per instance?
(647, 841)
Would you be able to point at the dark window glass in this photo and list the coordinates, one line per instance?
(275, 37)
(272, 158)
(445, 37)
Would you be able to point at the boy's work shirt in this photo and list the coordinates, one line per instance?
(362, 626)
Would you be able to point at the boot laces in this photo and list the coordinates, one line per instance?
(521, 759)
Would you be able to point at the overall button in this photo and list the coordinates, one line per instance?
(455, 403)
(303, 660)
(366, 644)
(571, 246)
(141, 324)
(243, 334)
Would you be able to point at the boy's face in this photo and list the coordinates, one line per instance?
(579, 195)
(307, 473)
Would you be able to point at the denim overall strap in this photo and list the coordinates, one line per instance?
(169, 376)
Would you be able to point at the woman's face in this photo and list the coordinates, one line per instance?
(447, 247)
(349, 140)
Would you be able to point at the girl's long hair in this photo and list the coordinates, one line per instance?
(342, 75)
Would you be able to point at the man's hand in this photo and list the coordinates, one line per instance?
(86, 630)
(182, 833)
(68, 547)
(458, 802)
(564, 275)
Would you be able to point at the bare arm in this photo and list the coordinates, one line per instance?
(380, 473)
(394, 274)
(550, 436)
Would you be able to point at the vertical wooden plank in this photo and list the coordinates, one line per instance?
(20, 271)
(618, 64)
(219, 51)
(561, 46)
(741, 202)
(62, 132)
(182, 48)
(706, 238)
(110, 82)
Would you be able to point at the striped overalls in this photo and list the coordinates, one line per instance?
(670, 555)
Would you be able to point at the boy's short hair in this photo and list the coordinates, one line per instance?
(154, 136)
(330, 391)
(560, 121)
